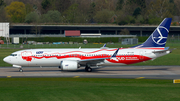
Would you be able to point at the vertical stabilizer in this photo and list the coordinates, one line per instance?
(159, 36)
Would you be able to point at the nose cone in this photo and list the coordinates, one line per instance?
(6, 59)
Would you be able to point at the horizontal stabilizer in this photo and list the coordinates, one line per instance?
(162, 51)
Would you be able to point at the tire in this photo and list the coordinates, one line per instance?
(89, 69)
(20, 70)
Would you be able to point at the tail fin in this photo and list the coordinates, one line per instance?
(159, 36)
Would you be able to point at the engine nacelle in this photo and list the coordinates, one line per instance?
(69, 65)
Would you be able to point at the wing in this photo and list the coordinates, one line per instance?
(96, 60)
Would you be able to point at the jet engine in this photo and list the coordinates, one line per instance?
(69, 65)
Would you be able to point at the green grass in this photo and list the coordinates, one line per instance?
(90, 89)
(87, 89)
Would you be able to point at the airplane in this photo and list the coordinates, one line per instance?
(72, 59)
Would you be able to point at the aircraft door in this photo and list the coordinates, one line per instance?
(26, 55)
(18, 57)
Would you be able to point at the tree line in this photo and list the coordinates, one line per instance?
(119, 12)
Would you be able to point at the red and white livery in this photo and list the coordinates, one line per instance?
(72, 59)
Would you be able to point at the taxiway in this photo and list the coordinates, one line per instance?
(137, 72)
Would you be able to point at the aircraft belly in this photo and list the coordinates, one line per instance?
(107, 63)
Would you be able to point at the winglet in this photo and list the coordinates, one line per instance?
(115, 53)
(104, 45)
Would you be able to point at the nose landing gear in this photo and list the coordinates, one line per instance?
(20, 70)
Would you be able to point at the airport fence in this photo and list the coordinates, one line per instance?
(32, 46)
(171, 41)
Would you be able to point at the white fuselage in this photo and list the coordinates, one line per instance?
(53, 57)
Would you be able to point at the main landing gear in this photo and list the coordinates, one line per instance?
(88, 68)
(20, 70)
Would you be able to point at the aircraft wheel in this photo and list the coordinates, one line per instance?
(88, 69)
(20, 70)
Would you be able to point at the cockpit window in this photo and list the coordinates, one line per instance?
(13, 55)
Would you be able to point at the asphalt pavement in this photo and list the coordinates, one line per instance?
(134, 72)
